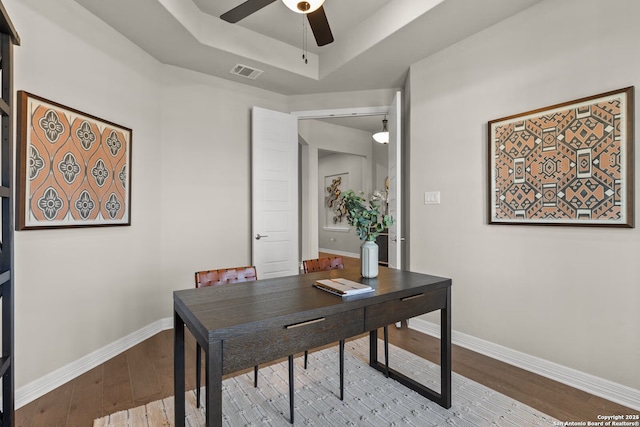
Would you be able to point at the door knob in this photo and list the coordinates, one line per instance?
(258, 236)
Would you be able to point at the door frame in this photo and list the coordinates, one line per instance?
(309, 167)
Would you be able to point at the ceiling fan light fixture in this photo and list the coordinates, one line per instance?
(383, 136)
(303, 6)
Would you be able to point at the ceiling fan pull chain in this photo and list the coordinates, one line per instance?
(304, 39)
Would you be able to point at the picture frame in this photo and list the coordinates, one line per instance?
(568, 164)
(73, 169)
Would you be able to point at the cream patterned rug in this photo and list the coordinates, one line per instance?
(370, 398)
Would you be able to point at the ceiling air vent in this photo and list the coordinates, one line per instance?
(244, 71)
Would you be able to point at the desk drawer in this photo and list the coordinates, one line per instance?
(389, 312)
(280, 341)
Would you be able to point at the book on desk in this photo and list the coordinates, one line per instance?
(342, 287)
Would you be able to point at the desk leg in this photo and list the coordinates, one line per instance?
(214, 384)
(444, 397)
(341, 369)
(373, 348)
(178, 369)
(445, 352)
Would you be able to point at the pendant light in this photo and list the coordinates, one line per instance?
(303, 6)
(383, 136)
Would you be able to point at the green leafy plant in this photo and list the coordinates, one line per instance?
(365, 215)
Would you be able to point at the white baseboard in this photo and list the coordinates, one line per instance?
(55, 379)
(597, 386)
(334, 252)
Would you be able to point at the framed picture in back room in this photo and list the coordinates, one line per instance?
(567, 164)
(73, 169)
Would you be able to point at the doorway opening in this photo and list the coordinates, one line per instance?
(337, 145)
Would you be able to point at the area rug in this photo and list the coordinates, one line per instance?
(370, 398)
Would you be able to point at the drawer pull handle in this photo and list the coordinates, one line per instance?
(411, 297)
(308, 322)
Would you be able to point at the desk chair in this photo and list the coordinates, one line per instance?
(321, 264)
(218, 277)
(325, 264)
(234, 275)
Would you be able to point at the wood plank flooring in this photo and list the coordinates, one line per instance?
(144, 373)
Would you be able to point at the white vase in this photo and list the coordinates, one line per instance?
(369, 259)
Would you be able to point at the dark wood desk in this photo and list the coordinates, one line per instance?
(243, 325)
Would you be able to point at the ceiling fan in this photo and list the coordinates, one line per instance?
(312, 8)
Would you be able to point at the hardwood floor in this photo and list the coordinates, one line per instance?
(144, 373)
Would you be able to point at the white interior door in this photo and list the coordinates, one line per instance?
(395, 174)
(274, 194)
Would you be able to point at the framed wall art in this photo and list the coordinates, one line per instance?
(335, 211)
(74, 169)
(567, 164)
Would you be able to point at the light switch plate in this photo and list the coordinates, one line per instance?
(432, 198)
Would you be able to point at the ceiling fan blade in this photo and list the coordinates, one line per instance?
(244, 10)
(320, 27)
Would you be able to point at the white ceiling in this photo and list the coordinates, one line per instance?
(280, 23)
(375, 40)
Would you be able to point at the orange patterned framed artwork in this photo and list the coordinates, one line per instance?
(74, 169)
(568, 164)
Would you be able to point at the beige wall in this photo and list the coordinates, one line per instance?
(568, 295)
(77, 290)
(335, 100)
(341, 237)
(205, 180)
